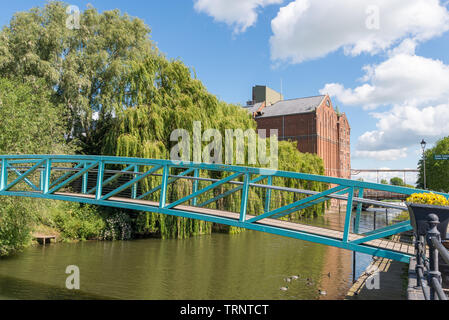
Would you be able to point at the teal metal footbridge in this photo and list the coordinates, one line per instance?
(119, 182)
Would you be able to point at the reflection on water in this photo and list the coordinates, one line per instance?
(250, 265)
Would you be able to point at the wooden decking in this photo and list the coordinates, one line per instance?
(43, 239)
(378, 243)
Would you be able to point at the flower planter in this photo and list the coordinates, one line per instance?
(419, 216)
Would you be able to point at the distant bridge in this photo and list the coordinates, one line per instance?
(355, 172)
(119, 183)
(384, 195)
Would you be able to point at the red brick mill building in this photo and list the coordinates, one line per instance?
(312, 122)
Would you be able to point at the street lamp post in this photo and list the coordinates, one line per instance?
(423, 146)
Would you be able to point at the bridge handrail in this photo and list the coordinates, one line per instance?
(433, 290)
(221, 167)
(259, 185)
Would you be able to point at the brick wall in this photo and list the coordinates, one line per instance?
(321, 132)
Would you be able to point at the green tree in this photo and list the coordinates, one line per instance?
(437, 171)
(384, 181)
(30, 122)
(169, 98)
(396, 181)
(85, 68)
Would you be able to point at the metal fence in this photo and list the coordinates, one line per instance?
(429, 249)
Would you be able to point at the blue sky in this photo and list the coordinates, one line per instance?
(385, 63)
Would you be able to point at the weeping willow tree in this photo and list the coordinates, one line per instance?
(163, 96)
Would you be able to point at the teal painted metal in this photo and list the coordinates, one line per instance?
(85, 181)
(130, 183)
(229, 192)
(163, 196)
(348, 215)
(46, 165)
(199, 192)
(393, 226)
(196, 174)
(169, 181)
(111, 179)
(65, 176)
(135, 185)
(100, 177)
(47, 175)
(382, 234)
(358, 211)
(244, 201)
(73, 177)
(268, 195)
(28, 182)
(24, 175)
(296, 204)
(4, 175)
(307, 205)
(41, 180)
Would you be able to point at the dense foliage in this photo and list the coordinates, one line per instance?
(83, 67)
(30, 122)
(15, 226)
(169, 98)
(105, 88)
(437, 171)
(396, 181)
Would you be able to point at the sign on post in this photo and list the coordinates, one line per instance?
(442, 157)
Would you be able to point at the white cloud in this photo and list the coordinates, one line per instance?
(309, 29)
(382, 155)
(402, 79)
(404, 126)
(240, 14)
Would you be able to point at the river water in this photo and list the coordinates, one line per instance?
(249, 265)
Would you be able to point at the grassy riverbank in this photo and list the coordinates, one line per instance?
(21, 218)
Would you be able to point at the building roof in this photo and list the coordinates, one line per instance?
(286, 107)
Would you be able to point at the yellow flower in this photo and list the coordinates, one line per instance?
(428, 198)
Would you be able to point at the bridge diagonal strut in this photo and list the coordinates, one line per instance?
(75, 176)
(130, 183)
(199, 192)
(65, 176)
(229, 192)
(28, 182)
(385, 232)
(307, 205)
(296, 204)
(24, 175)
(111, 179)
(169, 181)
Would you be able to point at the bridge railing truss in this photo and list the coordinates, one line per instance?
(143, 185)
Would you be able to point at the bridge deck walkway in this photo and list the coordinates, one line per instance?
(378, 243)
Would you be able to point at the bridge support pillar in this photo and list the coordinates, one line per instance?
(196, 174)
(47, 176)
(84, 181)
(268, 195)
(134, 187)
(100, 176)
(244, 203)
(163, 196)
(348, 215)
(358, 212)
(4, 175)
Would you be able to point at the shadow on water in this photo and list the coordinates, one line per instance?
(20, 289)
